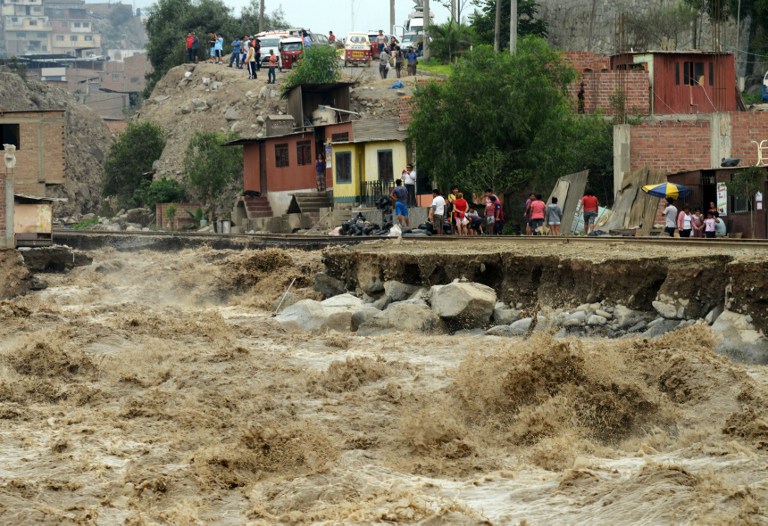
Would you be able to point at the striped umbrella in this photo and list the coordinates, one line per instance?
(665, 190)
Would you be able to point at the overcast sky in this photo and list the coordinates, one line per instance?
(322, 16)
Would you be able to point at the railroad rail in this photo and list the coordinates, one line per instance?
(168, 241)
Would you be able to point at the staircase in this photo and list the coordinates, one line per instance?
(257, 207)
(310, 202)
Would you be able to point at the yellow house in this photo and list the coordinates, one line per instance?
(366, 162)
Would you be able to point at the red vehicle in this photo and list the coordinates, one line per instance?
(357, 49)
(291, 50)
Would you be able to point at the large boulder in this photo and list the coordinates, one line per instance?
(310, 315)
(464, 303)
(139, 216)
(740, 339)
(398, 291)
(402, 316)
(328, 286)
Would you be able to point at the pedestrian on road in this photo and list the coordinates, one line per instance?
(399, 59)
(381, 41)
(384, 63)
(273, 60)
(670, 218)
(412, 59)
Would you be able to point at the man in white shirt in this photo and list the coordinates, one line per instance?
(437, 212)
(409, 179)
(670, 217)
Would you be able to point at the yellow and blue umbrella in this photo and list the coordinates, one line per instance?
(665, 190)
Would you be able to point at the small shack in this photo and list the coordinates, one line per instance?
(33, 220)
(709, 186)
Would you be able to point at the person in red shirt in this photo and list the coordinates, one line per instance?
(538, 209)
(589, 205)
(190, 45)
(460, 207)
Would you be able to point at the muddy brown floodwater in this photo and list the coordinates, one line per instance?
(155, 388)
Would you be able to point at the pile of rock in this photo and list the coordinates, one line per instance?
(388, 306)
(135, 219)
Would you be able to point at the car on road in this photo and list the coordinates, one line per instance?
(291, 50)
(357, 49)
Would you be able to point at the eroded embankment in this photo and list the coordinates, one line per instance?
(689, 285)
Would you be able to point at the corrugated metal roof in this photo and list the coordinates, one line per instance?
(377, 130)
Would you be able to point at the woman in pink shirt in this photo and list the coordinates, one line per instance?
(538, 209)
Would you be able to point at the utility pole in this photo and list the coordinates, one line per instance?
(426, 29)
(261, 16)
(512, 27)
(497, 27)
(454, 11)
(391, 17)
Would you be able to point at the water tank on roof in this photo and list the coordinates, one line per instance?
(323, 116)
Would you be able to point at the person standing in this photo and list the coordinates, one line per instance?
(554, 217)
(460, 209)
(250, 62)
(190, 42)
(720, 228)
(590, 206)
(489, 209)
(670, 218)
(400, 196)
(527, 214)
(710, 226)
(307, 40)
(449, 211)
(437, 212)
(538, 212)
(256, 44)
(399, 58)
(245, 44)
(409, 178)
(273, 60)
(498, 216)
(685, 222)
(212, 47)
(383, 63)
(381, 41)
(320, 172)
(412, 60)
(219, 48)
(698, 224)
(235, 55)
(331, 37)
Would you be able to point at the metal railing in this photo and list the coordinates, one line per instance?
(372, 191)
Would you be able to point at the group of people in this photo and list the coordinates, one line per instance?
(391, 55)
(463, 219)
(537, 214)
(693, 224)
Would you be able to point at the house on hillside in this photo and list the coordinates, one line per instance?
(655, 82)
(367, 160)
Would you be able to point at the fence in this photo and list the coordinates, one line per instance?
(372, 191)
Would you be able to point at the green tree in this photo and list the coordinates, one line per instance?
(249, 19)
(745, 185)
(161, 190)
(211, 168)
(130, 156)
(483, 21)
(516, 103)
(318, 65)
(449, 40)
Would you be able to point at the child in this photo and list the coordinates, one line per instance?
(554, 217)
(709, 226)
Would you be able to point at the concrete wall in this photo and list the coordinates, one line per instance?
(399, 158)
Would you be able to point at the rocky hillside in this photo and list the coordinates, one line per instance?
(210, 97)
(87, 140)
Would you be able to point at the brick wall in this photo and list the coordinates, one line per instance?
(406, 110)
(601, 86)
(587, 60)
(2, 209)
(40, 156)
(747, 127)
(670, 145)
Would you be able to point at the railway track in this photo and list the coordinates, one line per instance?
(91, 239)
